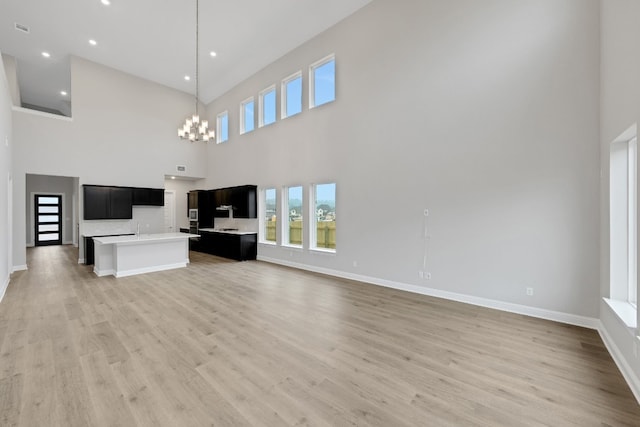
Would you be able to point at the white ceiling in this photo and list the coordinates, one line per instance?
(155, 40)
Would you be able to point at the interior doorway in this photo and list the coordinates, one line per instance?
(48, 219)
(170, 211)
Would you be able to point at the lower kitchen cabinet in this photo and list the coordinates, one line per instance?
(240, 247)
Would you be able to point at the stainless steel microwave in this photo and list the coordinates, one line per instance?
(193, 214)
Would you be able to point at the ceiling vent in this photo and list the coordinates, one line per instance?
(181, 168)
(22, 28)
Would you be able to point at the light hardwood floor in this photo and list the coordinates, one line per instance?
(231, 344)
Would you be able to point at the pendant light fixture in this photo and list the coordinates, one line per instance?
(195, 129)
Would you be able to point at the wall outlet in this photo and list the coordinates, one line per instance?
(529, 291)
(426, 212)
(427, 275)
(421, 274)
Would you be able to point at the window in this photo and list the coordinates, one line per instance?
(48, 222)
(223, 127)
(246, 116)
(269, 215)
(292, 95)
(267, 105)
(293, 211)
(322, 82)
(323, 231)
(632, 263)
(623, 218)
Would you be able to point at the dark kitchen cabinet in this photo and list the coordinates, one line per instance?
(104, 202)
(240, 247)
(203, 201)
(148, 196)
(243, 199)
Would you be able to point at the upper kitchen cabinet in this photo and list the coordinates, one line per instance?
(148, 196)
(103, 202)
(244, 201)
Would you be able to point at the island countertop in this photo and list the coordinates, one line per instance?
(142, 238)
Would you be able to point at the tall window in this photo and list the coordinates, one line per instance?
(269, 215)
(322, 82)
(293, 213)
(323, 231)
(632, 161)
(292, 95)
(222, 124)
(246, 116)
(267, 105)
(623, 218)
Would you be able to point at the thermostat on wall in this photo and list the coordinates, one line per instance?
(181, 168)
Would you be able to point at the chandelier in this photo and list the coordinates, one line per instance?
(195, 129)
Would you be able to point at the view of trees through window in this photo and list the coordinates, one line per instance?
(325, 216)
(294, 208)
(271, 215)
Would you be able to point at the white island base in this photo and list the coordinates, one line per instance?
(122, 256)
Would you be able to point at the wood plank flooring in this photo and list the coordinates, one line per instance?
(232, 344)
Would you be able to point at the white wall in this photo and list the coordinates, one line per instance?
(123, 132)
(620, 109)
(486, 113)
(47, 184)
(11, 70)
(6, 143)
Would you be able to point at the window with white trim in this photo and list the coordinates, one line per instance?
(322, 81)
(323, 228)
(623, 214)
(269, 215)
(246, 115)
(291, 95)
(293, 216)
(267, 106)
(222, 126)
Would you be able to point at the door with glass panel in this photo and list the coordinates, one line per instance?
(48, 221)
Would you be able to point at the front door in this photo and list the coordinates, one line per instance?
(48, 220)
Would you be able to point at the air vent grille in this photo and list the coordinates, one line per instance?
(22, 28)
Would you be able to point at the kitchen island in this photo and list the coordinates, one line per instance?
(122, 256)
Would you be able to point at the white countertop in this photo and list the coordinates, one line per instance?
(97, 234)
(143, 238)
(218, 230)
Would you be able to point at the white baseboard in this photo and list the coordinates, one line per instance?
(30, 245)
(556, 316)
(80, 260)
(18, 268)
(626, 370)
(101, 273)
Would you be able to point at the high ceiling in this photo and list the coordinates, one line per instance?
(155, 40)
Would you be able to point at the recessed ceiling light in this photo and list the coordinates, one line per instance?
(46, 54)
(63, 93)
(105, 2)
(187, 78)
(213, 54)
(92, 42)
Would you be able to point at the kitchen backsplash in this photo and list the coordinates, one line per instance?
(241, 224)
(151, 220)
